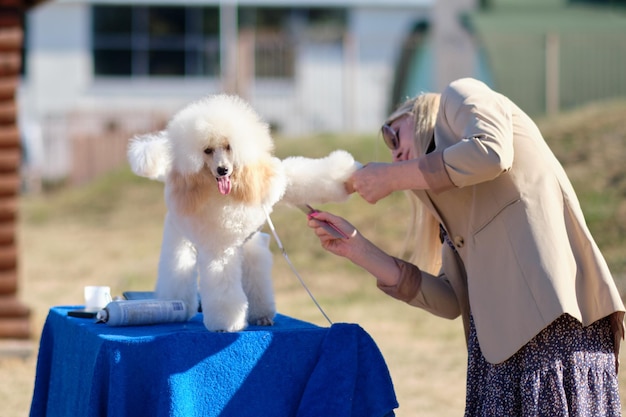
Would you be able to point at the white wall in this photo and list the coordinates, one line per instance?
(59, 64)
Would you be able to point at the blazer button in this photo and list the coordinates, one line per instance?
(458, 241)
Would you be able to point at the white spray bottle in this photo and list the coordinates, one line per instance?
(142, 312)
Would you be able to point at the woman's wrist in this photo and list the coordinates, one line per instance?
(407, 175)
(408, 283)
(370, 257)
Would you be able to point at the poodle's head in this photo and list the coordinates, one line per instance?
(215, 144)
(218, 136)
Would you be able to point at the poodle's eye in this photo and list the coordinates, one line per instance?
(208, 151)
(228, 147)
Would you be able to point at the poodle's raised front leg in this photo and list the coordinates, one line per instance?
(224, 304)
(318, 180)
(257, 280)
(177, 277)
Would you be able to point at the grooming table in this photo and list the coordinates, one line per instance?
(293, 368)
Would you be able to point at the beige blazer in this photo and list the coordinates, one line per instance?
(508, 206)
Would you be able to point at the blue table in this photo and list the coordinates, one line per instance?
(293, 368)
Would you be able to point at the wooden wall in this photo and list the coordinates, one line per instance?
(14, 316)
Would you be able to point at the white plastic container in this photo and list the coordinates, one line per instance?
(142, 312)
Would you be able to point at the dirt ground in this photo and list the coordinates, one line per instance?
(426, 355)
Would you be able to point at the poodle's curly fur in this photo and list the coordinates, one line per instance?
(221, 180)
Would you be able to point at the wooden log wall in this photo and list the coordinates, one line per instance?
(14, 316)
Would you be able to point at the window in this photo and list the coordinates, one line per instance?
(275, 29)
(274, 50)
(155, 41)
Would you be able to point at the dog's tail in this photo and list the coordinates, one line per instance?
(150, 155)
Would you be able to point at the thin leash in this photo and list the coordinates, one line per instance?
(293, 268)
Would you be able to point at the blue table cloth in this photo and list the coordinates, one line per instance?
(293, 368)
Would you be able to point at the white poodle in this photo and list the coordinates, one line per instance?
(221, 180)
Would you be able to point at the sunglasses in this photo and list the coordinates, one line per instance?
(390, 137)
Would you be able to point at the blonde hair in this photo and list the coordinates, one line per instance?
(422, 244)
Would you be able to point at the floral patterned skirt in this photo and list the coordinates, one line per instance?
(566, 370)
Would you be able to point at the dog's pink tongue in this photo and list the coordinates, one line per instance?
(223, 184)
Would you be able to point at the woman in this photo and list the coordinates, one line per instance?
(542, 315)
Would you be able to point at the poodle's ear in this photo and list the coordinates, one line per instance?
(150, 155)
(262, 182)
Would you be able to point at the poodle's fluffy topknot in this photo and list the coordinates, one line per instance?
(210, 122)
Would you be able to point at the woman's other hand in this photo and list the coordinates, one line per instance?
(355, 247)
(338, 246)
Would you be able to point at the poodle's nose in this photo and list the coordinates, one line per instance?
(221, 171)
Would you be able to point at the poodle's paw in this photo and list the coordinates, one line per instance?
(227, 328)
(343, 162)
(263, 321)
(262, 314)
(224, 324)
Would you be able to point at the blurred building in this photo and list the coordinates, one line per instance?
(109, 67)
(99, 70)
(307, 66)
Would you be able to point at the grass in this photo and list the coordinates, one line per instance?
(109, 233)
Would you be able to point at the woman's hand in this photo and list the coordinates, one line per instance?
(355, 247)
(377, 180)
(338, 246)
(372, 182)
